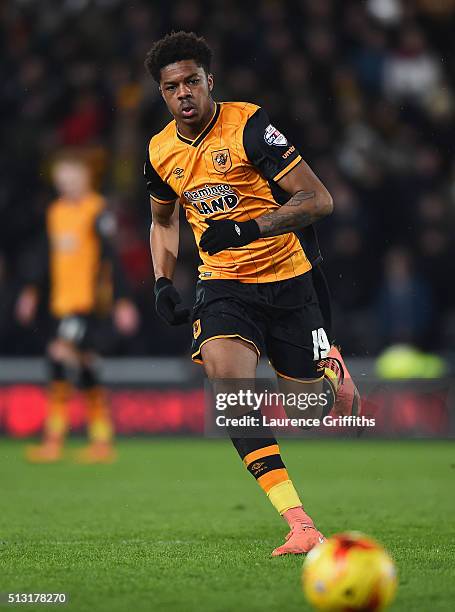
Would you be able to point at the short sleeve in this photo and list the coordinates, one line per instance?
(267, 148)
(156, 187)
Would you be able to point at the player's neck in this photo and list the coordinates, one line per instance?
(193, 131)
(75, 198)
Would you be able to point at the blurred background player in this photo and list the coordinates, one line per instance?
(83, 275)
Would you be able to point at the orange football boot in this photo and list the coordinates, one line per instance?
(303, 535)
(50, 451)
(96, 452)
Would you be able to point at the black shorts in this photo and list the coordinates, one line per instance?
(79, 329)
(281, 319)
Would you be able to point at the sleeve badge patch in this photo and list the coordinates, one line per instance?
(273, 137)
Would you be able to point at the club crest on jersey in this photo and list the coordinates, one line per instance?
(273, 137)
(222, 160)
(212, 198)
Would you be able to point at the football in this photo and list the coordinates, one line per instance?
(349, 571)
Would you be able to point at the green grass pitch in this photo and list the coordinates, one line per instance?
(179, 525)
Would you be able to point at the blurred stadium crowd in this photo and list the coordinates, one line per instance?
(364, 89)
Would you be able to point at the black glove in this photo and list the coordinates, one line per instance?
(167, 299)
(226, 233)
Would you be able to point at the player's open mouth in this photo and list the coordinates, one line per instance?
(188, 111)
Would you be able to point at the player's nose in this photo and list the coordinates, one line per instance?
(183, 91)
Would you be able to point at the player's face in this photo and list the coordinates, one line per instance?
(186, 89)
(71, 179)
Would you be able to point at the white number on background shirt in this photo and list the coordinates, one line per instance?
(321, 344)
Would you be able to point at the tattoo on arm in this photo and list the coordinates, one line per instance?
(288, 218)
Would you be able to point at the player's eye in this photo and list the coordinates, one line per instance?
(194, 81)
(170, 87)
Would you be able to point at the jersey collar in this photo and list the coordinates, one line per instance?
(205, 131)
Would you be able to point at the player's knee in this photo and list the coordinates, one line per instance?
(53, 351)
(229, 358)
(61, 351)
(226, 368)
(216, 369)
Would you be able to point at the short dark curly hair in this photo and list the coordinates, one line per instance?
(175, 47)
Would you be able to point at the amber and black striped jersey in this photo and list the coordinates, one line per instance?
(73, 255)
(230, 171)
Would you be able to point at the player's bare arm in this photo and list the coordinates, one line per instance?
(164, 238)
(309, 203)
(164, 245)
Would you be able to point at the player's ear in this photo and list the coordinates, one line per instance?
(210, 81)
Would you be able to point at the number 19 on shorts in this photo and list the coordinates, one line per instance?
(321, 344)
